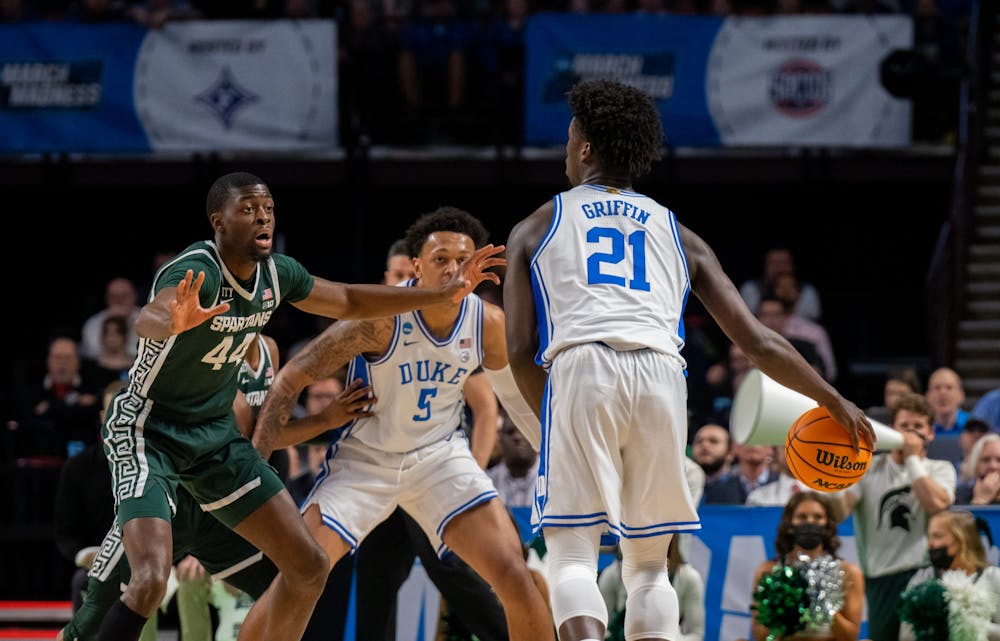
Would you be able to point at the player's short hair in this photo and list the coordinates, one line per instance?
(224, 186)
(398, 248)
(450, 219)
(621, 122)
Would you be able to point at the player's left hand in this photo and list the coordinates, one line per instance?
(351, 404)
(473, 271)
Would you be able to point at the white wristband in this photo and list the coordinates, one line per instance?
(916, 467)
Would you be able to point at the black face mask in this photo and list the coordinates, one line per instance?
(808, 536)
(940, 558)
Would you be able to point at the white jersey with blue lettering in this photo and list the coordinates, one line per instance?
(610, 269)
(419, 381)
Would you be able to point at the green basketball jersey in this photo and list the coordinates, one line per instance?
(192, 376)
(254, 383)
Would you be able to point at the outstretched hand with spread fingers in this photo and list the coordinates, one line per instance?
(186, 310)
(473, 271)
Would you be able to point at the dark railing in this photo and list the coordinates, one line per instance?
(946, 277)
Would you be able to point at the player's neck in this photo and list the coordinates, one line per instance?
(440, 319)
(607, 180)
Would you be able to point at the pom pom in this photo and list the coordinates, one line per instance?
(824, 588)
(923, 607)
(970, 606)
(780, 601)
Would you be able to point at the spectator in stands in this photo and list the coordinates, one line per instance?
(899, 381)
(975, 428)
(724, 379)
(514, 476)
(954, 544)
(303, 471)
(432, 69)
(752, 470)
(61, 408)
(113, 360)
(808, 528)
(119, 300)
(892, 504)
(83, 504)
(782, 489)
(712, 451)
(982, 470)
(946, 396)
(777, 314)
(988, 408)
(777, 261)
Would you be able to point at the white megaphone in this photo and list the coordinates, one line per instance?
(763, 411)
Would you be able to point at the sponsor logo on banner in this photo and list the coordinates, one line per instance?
(50, 85)
(239, 85)
(807, 80)
(800, 87)
(652, 72)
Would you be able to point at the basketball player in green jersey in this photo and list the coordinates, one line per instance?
(174, 425)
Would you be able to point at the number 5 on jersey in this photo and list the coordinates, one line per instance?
(424, 403)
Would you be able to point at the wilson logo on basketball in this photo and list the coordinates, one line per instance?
(829, 459)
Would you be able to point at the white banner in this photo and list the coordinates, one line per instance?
(807, 80)
(241, 85)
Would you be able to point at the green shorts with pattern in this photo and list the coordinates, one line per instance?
(221, 469)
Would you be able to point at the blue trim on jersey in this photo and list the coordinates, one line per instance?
(443, 550)
(543, 456)
(620, 531)
(396, 331)
(331, 451)
(551, 231)
(454, 328)
(676, 232)
(542, 316)
(359, 367)
(339, 528)
(480, 313)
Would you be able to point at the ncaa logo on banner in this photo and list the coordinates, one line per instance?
(238, 85)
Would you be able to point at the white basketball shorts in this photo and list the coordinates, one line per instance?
(359, 487)
(614, 433)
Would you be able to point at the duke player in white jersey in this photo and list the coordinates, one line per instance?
(595, 289)
(409, 450)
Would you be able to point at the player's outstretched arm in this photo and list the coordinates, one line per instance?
(320, 358)
(767, 349)
(176, 309)
(342, 301)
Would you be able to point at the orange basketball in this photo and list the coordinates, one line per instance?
(819, 453)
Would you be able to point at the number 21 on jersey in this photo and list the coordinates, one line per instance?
(600, 263)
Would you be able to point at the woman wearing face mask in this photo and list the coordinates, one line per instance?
(954, 543)
(807, 529)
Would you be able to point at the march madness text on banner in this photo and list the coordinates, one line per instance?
(191, 86)
(785, 80)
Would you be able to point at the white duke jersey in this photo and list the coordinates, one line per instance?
(419, 381)
(610, 269)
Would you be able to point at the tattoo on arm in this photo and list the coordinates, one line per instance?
(341, 342)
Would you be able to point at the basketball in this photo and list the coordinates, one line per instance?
(819, 453)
